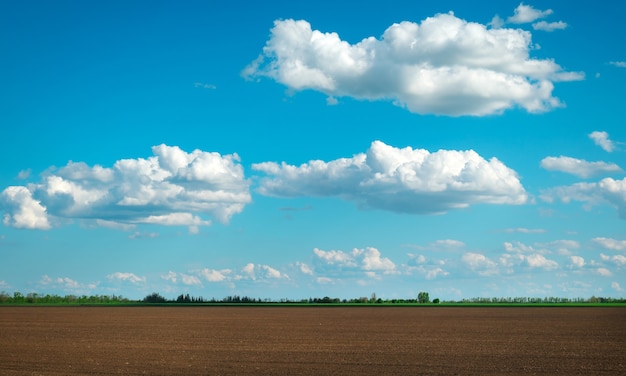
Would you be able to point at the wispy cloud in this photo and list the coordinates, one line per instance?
(578, 167)
(204, 86)
(609, 243)
(619, 64)
(549, 26)
(524, 230)
(418, 66)
(606, 191)
(401, 180)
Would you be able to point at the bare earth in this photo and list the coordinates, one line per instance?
(312, 341)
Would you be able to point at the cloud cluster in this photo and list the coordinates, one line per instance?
(171, 188)
(366, 261)
(607, 190)
(524, 14)
(401, 180)
(249, 273)
(443, 65)
(578, 167)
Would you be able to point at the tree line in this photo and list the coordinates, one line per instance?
(156, 298)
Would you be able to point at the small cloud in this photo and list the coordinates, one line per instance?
(211, 275)
(304, 268)
(604, 272)
(525, 230)
(480, 264)
(577, 261)
(204, 86)
(127, 277)
(190, 280)
(24, 174)
(602, 139)
(527, 14)
(619, 64)
(331, 101)
(615, 286)
(324, 280)
(170, 276)
(549, 26)
(143, 235)
(496, 22)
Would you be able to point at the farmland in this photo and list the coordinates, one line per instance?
(246, 340)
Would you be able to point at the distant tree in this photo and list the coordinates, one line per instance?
(154, 298)
(436, 300)
(423, 297)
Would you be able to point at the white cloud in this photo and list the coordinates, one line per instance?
(612, 244)
(604, 272)
(368, 261)
(142, 235)
(67, 284)
(24, 174)
(619, 64)
(63, 282)
(602, 139)
(496, 22)
(324, 280)
(577, 261)
(448, 243)
(22, 210)
(615, 286)
(128, 277)
(527, 14)
(259, 271)
(170, 276)
(549, 26)
(605, 191)
(400, 180)
(518, 247)
(539, 261)
(526, 230)
(372, 260)
(331, 101)
(619, 260)
(333, 257)
(204, 86)
(190, 280)
(562, 247)
(443, 65)
(304, 268)
(480, 264)
(171, 188)
(212, 275)
(578, 167)
(430, 272)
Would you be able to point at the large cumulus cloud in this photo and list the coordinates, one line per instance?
(172, 187)
(443, 65)
(401, 180)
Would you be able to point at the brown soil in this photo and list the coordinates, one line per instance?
(312, 341)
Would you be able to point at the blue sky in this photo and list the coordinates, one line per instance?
(313, 149)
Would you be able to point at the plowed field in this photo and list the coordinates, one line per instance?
(312, 341)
